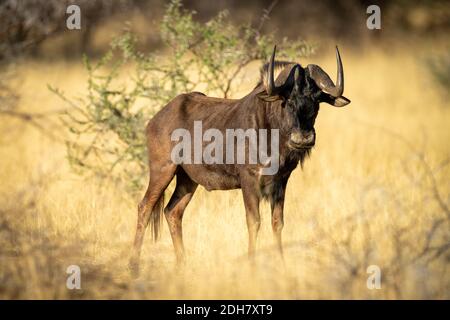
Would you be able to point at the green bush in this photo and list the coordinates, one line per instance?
(107, 124)
(439, 67)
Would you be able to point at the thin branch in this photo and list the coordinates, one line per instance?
(265, 17)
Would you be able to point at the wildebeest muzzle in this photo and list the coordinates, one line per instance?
(302, 139)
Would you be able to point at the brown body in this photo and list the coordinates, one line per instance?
(291, 110)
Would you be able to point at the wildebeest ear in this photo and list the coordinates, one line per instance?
(269, 98)
(341, 101)
(337, 102)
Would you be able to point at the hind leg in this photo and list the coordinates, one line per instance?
(160, 177)
(183, 193)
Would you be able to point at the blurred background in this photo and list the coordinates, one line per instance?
(38, 28)
(73, 107)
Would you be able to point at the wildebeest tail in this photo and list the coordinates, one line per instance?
(155, 218)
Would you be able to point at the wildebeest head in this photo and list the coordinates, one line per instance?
(302, 89)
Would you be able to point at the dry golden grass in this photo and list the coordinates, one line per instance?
(359, 201)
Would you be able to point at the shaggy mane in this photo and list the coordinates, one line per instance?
(279, 66)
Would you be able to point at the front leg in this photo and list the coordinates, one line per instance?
(277, 206)
(251, 196)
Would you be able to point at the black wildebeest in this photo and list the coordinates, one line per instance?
(289, 103)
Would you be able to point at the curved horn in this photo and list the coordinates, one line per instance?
(271, 89)
(340, 75)
(324, 82)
